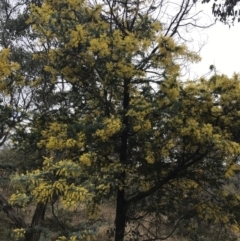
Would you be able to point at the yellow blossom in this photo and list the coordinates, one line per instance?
(85, 159)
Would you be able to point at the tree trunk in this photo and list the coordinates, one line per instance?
(12, 213)
(120, 221)
(34, 232)
(121, 208)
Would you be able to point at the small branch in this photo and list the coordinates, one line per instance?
(54, 215)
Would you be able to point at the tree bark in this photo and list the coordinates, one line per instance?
(34, 232)
(120, 221)
(121, 208)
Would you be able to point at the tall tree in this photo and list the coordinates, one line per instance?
(18, 94)
(113, 120)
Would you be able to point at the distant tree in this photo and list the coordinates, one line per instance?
(226, 11)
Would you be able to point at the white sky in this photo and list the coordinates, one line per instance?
(222, 48)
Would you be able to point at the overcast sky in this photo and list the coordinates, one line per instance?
(222, 48)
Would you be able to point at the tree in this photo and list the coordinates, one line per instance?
(225, 11)
(18, 71)
(112, 119)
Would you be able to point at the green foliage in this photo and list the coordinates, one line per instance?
(103, 114)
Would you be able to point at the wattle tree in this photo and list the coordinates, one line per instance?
(112, 119)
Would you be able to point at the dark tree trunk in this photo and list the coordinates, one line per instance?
(17, 220)
(121, 208)
(120, 221)
(34, 232)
